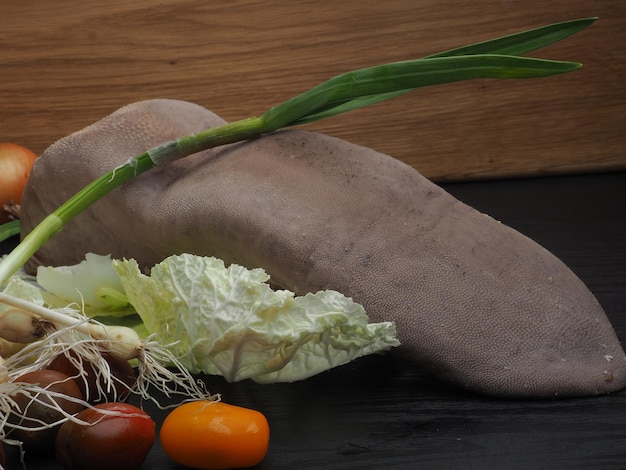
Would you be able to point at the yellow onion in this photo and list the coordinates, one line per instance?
(15, 165)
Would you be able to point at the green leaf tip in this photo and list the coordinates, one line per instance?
(523, 42)
(370, 85)
(9, 229)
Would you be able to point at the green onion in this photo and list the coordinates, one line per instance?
(9, 229)
(499, 58)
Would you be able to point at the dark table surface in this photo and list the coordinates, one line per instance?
(382, 413)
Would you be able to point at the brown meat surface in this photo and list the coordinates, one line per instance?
(475, 301)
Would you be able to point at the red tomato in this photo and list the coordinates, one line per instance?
(15, 165)
(122, 372)
(211, 435)
(109, 442)
(34, 413)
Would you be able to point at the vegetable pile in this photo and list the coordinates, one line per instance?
(71, 334)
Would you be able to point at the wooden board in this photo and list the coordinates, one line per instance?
(66, 64)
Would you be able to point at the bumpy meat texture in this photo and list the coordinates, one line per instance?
(476, 302)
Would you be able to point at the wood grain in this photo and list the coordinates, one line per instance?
(66, 64)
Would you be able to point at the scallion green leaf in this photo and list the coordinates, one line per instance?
(497, 58)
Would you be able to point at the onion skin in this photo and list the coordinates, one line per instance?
(16, 163)
(119, 442)
(55, 381)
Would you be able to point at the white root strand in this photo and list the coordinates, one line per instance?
(119, 341)
(4, 371)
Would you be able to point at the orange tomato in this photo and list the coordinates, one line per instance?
(211, 435)
(15, 165)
